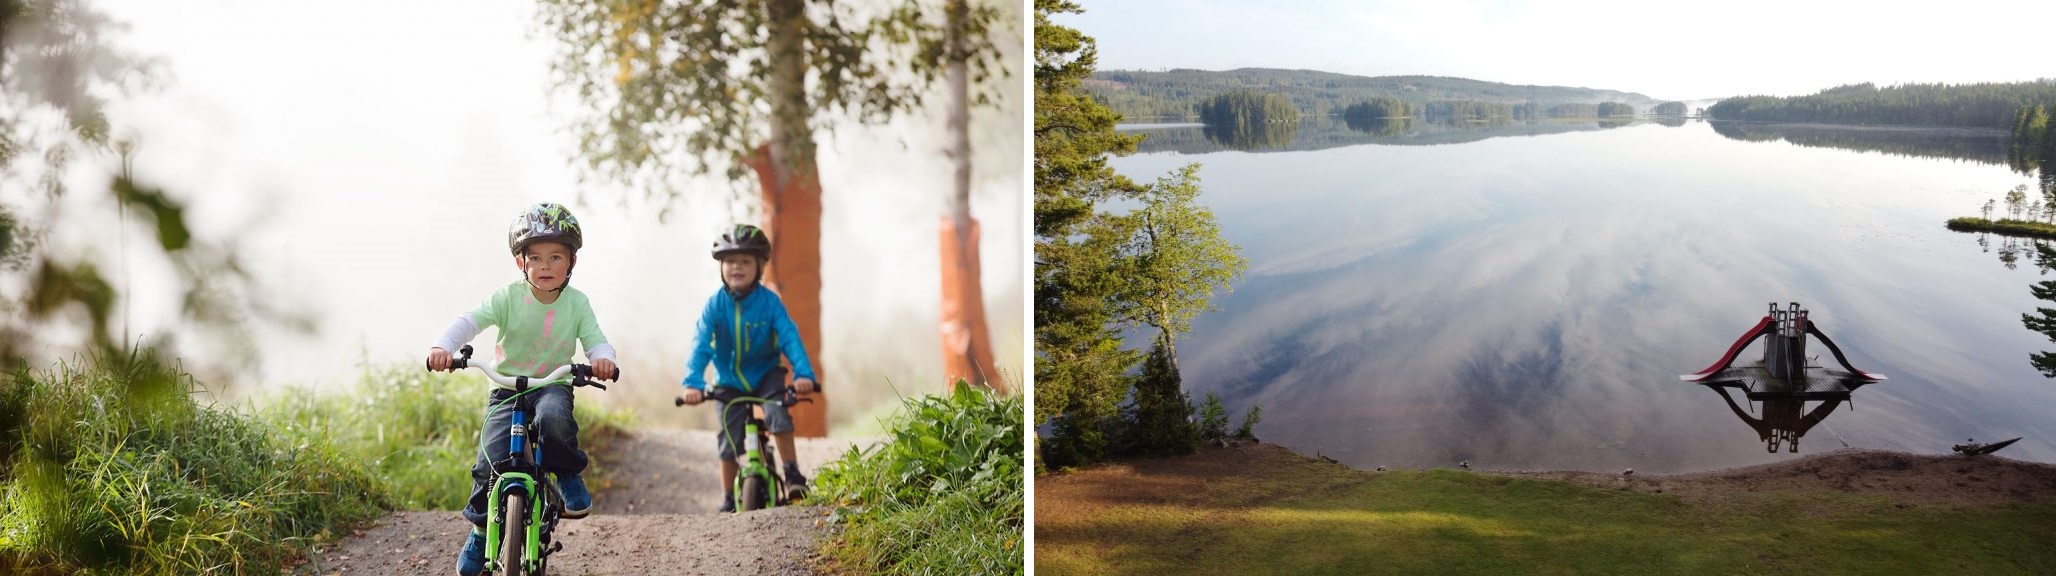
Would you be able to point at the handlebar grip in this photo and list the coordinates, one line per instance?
(678, 401)
(586, 371)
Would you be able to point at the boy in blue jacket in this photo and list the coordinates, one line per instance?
(742, 331)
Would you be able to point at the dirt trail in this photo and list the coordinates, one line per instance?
(655, 515)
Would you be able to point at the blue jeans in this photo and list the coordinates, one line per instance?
(553, 425)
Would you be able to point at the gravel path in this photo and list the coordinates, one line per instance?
(655, 515)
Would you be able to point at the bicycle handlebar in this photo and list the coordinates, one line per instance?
(786, 395)
(581, 374)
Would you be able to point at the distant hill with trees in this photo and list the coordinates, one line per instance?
(1984, 105)
(1177, 93)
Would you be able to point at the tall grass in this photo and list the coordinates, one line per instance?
(112, 467)
(417, 431)
(942, 495)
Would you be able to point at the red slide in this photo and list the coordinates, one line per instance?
(1762, 327)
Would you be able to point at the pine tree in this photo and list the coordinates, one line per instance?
(1079, 364)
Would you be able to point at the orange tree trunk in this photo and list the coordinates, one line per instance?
(966, 342)
(792, 216)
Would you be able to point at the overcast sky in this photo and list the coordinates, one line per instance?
(1665, 50)
(377, 149)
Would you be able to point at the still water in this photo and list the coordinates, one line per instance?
(1526, 296)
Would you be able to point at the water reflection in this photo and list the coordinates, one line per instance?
(1258, 136)
(1524, 302)
(1387, 127)
(1970, 144)
(2042, 321)
(1784, 419)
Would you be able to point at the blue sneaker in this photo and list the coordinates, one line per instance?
(471, 561)
(577, 501)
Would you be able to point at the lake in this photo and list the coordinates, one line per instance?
(1526, 295)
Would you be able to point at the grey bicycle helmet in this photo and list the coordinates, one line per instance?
(547, 222)
(544, 222)
(743, 239)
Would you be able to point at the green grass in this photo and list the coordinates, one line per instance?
(2006, 226)
(1310, 518)
(418, 431)
(941, 495)
(111, 467)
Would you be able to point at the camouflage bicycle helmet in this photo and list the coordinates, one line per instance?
(743, 239)
(544, 222)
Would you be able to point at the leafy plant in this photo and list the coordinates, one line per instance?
(943, 494)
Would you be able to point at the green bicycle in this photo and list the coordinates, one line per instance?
(526, 503)
(756, 486)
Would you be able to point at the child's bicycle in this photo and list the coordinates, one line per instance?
(526, 502)
(755, 481)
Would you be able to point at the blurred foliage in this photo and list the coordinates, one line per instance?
(681, 88)
(58, 66)
(944, 494)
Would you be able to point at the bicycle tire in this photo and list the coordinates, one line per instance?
(513, 535)
(753, 494)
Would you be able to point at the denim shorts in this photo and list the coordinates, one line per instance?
(776, 421)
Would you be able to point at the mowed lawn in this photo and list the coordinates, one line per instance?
(1264, 510)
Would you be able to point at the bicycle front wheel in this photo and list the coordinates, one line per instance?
(514, 535)
(753, 493)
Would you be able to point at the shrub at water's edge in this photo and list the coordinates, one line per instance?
(111, 466)
(942, 494)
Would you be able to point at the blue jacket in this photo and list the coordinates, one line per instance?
(758, 328)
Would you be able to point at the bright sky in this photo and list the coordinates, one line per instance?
(1666, 50)
(376, 151)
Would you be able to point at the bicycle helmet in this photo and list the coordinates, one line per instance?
(544, 222)
(743, 239)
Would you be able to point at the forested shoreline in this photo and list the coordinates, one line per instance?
(1178, 94)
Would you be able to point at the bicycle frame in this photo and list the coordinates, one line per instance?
(523, 475)
(753, 464)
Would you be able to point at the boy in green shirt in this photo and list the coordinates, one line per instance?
(539, 319)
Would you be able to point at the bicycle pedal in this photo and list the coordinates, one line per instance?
(553, 549)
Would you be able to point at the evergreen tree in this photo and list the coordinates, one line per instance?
(1079, 364)
(1158, 420)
